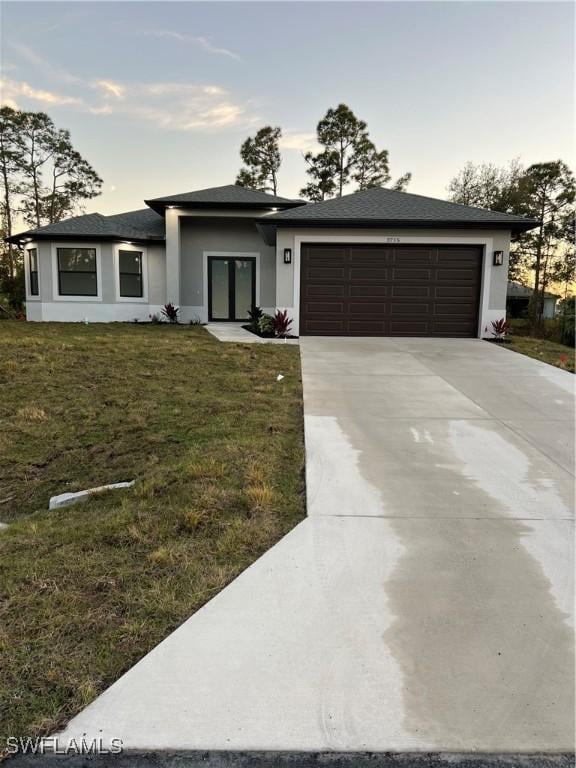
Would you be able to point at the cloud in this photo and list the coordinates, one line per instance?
(30, 55)
(13, 89)
(178, 106)
(170, 105)
(202, 42)
(302, 142)
(110, 88)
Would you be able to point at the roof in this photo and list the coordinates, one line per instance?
(517, 290)
(228, 196)
(143, 224)
(384, 207)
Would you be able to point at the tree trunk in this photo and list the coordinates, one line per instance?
(535, 309)
(7, 211)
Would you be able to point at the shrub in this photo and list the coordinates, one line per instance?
(266, 325)
(255, 314)
(281, 324)
(170, 312)
(155, 318)
(499, 329)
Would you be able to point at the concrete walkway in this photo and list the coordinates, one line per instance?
(236, 333)
(426, 602)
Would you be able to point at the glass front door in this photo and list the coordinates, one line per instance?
(231, 288)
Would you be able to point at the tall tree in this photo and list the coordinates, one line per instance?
(9, 260)
(370, 167)
(547, 192)
(487, 186)
(43, 178)
(323, 170)
(544, 191)
(54, 178)
(347, 156)
(341, 132)
(261, 156)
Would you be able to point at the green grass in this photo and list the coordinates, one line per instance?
(215, 444)
(544, 350)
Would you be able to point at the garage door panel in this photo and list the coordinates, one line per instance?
(413, 308)
(326, 273)
(368, 273)
(455, 291)
(423, 275)
(456, 275)
(327, 254)
(326, 291)
(416, 255)
(325, 307)
(390, 290)
(410, 291)
(369, 256)
(368, 291)
(464, 310)
(359, 327)
(367, 309)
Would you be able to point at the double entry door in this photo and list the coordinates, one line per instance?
(231, 287)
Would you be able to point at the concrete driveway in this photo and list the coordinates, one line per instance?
(462, 455)
(425, 603)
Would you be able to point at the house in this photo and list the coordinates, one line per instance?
(518, 299)
(374, 263)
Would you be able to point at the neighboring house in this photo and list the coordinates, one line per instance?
(376, 262)
(518, 298)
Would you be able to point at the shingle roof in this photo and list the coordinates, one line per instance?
(523, 291)
(143, 224)
(230, 195)
(387, 206)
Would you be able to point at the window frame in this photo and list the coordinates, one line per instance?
(57, 296)
(28, 273)
(139, 249)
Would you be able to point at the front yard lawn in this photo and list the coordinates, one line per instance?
(215, 444)
(544, 350)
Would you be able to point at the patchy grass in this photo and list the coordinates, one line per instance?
(215, 444)
(544, 350)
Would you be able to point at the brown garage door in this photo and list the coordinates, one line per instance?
(375, 290)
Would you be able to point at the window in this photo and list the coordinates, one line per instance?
(130, 268)
(77, 272)
(33, 271)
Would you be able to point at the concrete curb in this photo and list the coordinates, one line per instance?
(218, 759)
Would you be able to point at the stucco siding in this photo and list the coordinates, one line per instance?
(157, 274)
(197, 238)
(49, 306)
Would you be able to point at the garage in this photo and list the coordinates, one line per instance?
(381, 290)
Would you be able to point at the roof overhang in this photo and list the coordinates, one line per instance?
(267, 228)
(25, 237)
(160, 206)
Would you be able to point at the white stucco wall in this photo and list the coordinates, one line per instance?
(48, 306)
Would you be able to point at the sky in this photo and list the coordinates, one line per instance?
(159, 96)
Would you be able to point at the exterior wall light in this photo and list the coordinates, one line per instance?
(498, 258)
(287, 255)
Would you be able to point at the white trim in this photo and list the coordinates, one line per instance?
(228, 255)
(392, 239)
(116, 261)
(55, 294)
(30, 296)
